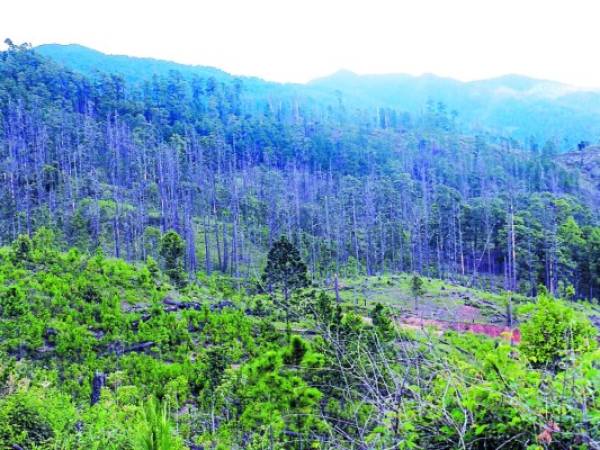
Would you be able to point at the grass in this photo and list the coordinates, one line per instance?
(441, 300)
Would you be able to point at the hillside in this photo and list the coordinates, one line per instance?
(135, 71)
(443, 305)
(587, 164)
(191, 260)
(115, 165)
(88, 61)
(512, 106)
(97, 353)
(299, 225)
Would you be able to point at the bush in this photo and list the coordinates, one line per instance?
(22, 424)
(554, 331)
(154, 431)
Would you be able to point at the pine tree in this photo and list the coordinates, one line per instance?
(21, 249)
(171, 249)
(381, 321)
(416, 288)
(285, 271)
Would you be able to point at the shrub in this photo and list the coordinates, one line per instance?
(22, 424)
(554, 331)
(154, 431)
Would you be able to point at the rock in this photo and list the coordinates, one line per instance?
(140, 347)
(170, 301)
(219, 306)
(45, 349)
(19, 352)
(119, 348)
(172, 305)
(98, 334)
(50, 332)
(138, 307)
(97, 384)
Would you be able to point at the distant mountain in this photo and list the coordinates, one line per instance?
(136, 70)
(515, 106)
(87, 61)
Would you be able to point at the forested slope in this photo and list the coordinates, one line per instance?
(513, 106)
(191, 260)
(96, 353)
(114, 164)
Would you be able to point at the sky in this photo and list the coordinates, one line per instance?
(298, 40)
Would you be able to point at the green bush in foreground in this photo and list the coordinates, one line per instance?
(556, 331)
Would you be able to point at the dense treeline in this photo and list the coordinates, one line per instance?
(114, 165)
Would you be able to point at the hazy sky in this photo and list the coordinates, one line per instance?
(287, 40)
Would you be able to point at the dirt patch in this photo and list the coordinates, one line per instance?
(495, 331)
(467, 313)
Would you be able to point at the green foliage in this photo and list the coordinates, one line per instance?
(382, 322)
(154, 430)
(324, 310)
(416, 288)
(219, 375)
(34, 417)
(171, 249)
(487, 395)
(23, 423)
(277, 402)
(556, 332)
(152, 267)
(21, 249)
(285, 269)
(12, 302)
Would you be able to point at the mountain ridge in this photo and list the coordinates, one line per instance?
(530, 110)
(514, 80)
(63, 53)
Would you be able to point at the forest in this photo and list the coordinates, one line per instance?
(193, 260)
(114, 166)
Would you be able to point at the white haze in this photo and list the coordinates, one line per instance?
(287, 40)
